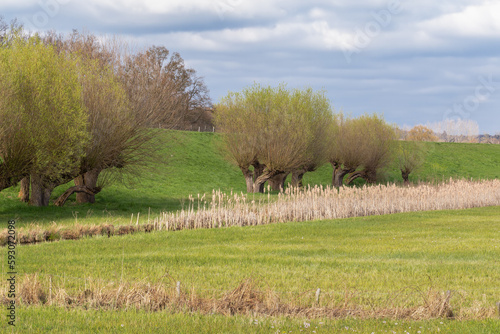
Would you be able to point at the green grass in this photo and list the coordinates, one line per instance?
(59, 320)
(442, 250)
(196, 165)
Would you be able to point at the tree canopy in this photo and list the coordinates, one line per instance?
(270, 131)
(41, 111)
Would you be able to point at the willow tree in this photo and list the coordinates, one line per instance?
(376, 147)
(269, 131)
(317, 110)
(344, 143)
(41, 103)
(411, 156)
(118, 135)
(360, 147)
(236, 118)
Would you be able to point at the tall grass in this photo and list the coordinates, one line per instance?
(320, 202)
(312, 203)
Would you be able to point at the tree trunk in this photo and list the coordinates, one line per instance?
(370, 176)
(258, 170)
(248, 174)
(338, 175)
(353, 176)
(297, 176)
(40, 191)
(24, 192)
(405, 174)
(277, 182)
(76, 189)
(258, 186)
(88, 180)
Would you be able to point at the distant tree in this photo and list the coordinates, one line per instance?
(269, 131)
(163, 92)
(411, 155)
(9, 31)
(421, 133)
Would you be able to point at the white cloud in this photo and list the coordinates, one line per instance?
(473, 21)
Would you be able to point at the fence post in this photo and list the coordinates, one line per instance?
(498, 308)
(178, 289)
(317, 296)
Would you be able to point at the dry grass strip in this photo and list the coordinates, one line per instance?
(245, 299)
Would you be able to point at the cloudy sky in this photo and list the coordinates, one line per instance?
(416, 62)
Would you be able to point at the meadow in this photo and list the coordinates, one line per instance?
(366, 265)
(415, 272)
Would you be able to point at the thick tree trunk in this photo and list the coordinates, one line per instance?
(88, 180)
(24, 191)
(248, 174)
(370, 176)
(277, 182)
(40, 191)
(258, 170)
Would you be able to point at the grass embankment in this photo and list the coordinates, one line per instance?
(196, 166)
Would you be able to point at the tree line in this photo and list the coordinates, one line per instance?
(74, 107)
(81, 108)
(272, 132)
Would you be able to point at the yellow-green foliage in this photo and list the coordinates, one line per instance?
(42, 104)
(276, 126)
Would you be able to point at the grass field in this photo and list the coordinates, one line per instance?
(369, 257)
(364, 263)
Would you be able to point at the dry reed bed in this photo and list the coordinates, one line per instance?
(318, 202)
(312, 203)
(245, 299)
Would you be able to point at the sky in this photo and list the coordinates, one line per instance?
(415, 62)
